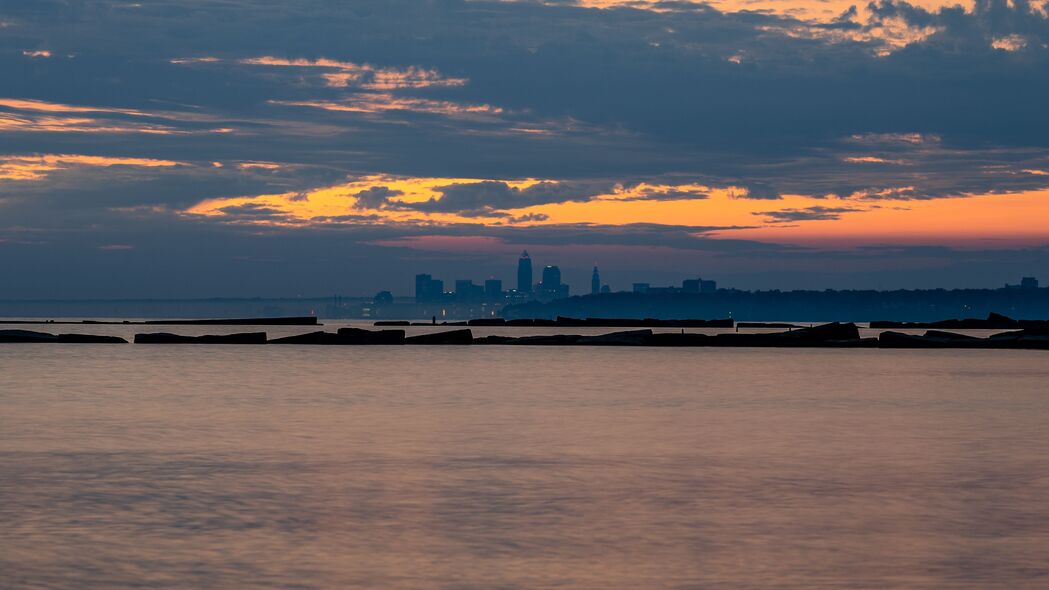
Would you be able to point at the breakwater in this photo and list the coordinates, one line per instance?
(832, 335)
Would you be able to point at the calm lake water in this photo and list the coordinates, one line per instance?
(514, 467)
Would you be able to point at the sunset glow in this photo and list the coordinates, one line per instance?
(731, 134)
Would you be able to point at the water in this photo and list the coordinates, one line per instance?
(510, 467)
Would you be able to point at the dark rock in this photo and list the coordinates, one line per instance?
(569, 322)
(164, 338)
(937, 334)
(1029, 339)
(631, 338)
(494, 340)
(552, 340)
(41, 337)
(450, 337)
(834, 335)
(994, 321)
(358, 336)
(487, 322)
(392, 323)
(827, 332)
(1017, 339)
(344, 337)
(11, 336)
(319, 338)
(89, 339)
(678, 339)
(521, 322)
(1033, 341)
(900, 340)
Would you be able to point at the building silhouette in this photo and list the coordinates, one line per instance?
(493, 290)
(551, 277)
(427, 288)
(524, 273)
(551, 286)
(467, 292)
(698, 286)
(1026, 283)
(595, 282)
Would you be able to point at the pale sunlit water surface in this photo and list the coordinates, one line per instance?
(189, 467)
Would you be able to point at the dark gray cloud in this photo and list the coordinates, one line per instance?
(484, 198)
(591, 98)
(376, 197)
(805, 214)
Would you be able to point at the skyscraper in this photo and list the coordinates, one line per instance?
(551, 287)
(551, 278)
(524, 273)
(427, 288)
(595, 283)
(422, 287)
(493, 290)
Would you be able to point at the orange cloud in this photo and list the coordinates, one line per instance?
(341, 74)
(1011, 219)
(24, 104)
(49, 124)
(1009, 43)
(817, 10)
(38, 116)
(871, 160)
(259, 165)
(1005, 220)
(28, 168)
(376, 102)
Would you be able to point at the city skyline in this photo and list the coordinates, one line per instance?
(551, 286)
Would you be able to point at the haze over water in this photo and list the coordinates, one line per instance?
(517, 467)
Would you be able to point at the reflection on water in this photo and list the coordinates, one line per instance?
(497, 467)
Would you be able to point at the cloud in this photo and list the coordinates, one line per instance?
(490, 196)
(529, 218)
(252, 212)
(376, 197)
(644, 192)
(39, 167)
(38, 116)
(807, 214)
(373, 102)
(517, 113)
(342, 74)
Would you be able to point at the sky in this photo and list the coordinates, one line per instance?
(236, 148)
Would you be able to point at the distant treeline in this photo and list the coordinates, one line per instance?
(810, 306)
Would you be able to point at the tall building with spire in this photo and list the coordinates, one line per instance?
(524, 273)
(595, 283)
